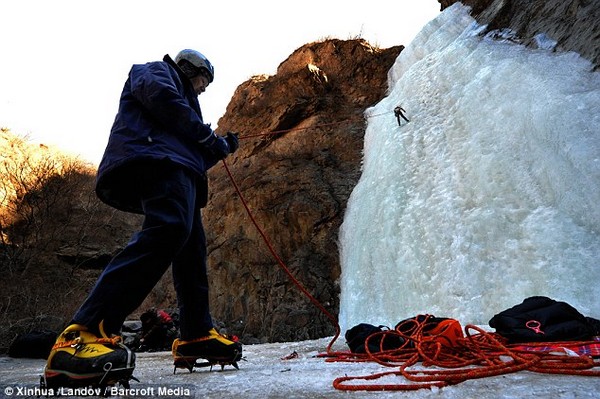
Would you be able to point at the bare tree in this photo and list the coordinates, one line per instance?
(38, 189)
(41, 194)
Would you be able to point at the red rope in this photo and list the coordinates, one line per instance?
(477, 355)
(275, 132)
(266, 240)
(282, 265)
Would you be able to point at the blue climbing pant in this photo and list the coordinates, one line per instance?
(171, 234)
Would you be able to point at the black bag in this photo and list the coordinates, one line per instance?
(541, 319)
(356, 338)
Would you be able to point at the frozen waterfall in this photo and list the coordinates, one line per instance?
(490, 194)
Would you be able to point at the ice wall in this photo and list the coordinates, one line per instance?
(489, 195)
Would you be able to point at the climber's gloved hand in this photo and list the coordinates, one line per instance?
(218, 146)
(233, 142)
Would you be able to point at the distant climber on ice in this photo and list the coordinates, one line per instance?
(399, 112)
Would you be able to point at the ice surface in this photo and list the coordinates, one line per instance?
(490, 194)
(265, 375)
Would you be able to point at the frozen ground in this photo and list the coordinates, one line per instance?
(265, 375)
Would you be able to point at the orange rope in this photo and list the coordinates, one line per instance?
(476, 356)
(282, 265)
(275, 132)
(266, 240)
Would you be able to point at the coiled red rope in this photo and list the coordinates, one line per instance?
(478, 355)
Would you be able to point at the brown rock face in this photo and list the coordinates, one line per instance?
(301, 138)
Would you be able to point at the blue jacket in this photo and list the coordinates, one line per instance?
(159, 120)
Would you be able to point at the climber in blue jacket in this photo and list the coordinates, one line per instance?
(155, 164)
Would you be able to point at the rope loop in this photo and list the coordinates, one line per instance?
(479, 354)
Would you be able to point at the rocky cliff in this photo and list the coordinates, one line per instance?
(573, 24)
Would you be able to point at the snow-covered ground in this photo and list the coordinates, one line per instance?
(265, 375)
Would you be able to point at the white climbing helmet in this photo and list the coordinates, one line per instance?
(198, 60)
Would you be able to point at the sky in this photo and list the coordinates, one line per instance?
(64, 62)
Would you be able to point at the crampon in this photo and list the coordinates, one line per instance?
(213, 349)
(100, 385)
(190, 366)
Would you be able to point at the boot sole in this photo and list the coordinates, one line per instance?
(62, 378)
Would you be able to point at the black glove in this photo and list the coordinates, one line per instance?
(232, 141)
(219, 147)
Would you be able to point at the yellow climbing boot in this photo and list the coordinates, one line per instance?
(214, 348)
(80, 358)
